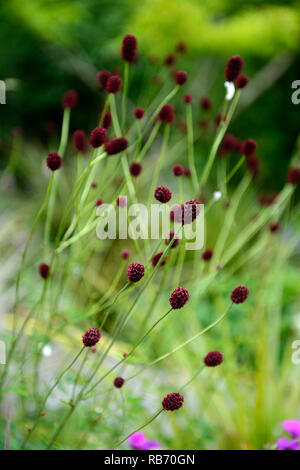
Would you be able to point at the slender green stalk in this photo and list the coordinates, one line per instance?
(190, 139)
(159, 163)
(139, 428)
(125, 91)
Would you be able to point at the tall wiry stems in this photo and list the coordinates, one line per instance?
(190, 139)
(125, 91)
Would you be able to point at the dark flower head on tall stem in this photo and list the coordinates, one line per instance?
(139, 113)
(233, 68)
(170, 60)
(102, 77)
(180, 77)
(91, 337)
(155, 259)
(122, 201)
(249, 147)
(293, 175)
(135, 169)
(166, 113)
(207, 254)
(129, 48)
(178, 170)
(239, 294)
(205, 103)
(44, 270)
(115, 146)
(173, 401)
(213, 359)
(187, 98)
(171, 237)
(241, 81)
(253, 165)
(119, 382)
(97, 137)
(54, 161)
(107, 120)
(135, 272)
(179, 298)
(70, 99)
(113, 84)
(162, 194)
(80, 141)
(125, 254)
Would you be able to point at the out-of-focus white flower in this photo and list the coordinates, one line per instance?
(230, 90)
(47, 350)
(217, 195)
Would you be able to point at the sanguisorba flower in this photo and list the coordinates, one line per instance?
(129, 48)
(239, 294)
(139, 113)
(79, 141)
(135, 169)
(213, 359)
(180, 77)
(102, 77)
(70, 99)
(97, 137)
(185, 213)
(91, 337)
(205, 103)
(115, 146)
(125, 254)
(207, 254)
(233, 68)
(179, 298)
(171, 237)
(166, 113)
(122, 201)
(54, 161)
(187, 98)
(98, 202)
(293, 175)
(249, 147)
(119, 382)
(178, 170)
(253, 165)
(155, 259)
(241, 81)
(274, 227)
(107, 120)
(173, 401)
(162, 194)
(113, 84)
(44, 270)
(135, 272)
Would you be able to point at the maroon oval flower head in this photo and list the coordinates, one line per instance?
(229, 144)
(206, 103)
(189, 211)
(54, 161)
(135, 272)
(125, 254)
(187, 172)
(166, 114)
(242, 81)
(162, 194)
(98, 202)
(107, 120)
(97, 137)
(70, 99)
(119, 382)
(115, 146)
(139, 113)
(91, 337)
(155, 259)
(187, 98)
(44, 270)
(274, 227)
(239, 294)
(213, 359)
(102, 77)
(170, 60)
(178, 170)
(253, 165)
(207, 255)
(293, 176)
(179, 298)
(94, 184)
(113, 84)
(233, 68)
(129, 48)
(135, 169)
(171, 237)
(79, 141)
(249, 147)
(219, 117)
(122, 201)
(180, 77)
(173, 401)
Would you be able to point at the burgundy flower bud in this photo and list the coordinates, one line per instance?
(229, 144)
(274, 227)
(125, 254)
(166, 114)
(249, 147)
(242, 81)
(207, 255)
(189, 211)
(94, 185)
(99, 202)
(129, 48)
(180, 47)
(171, 236)
(187, 98)
(293, 175)
(233, 68)
(54, 161)
(119, 382)
(115, 146)
(79, 141)
(178, 170)
(70, 99)
(139, 113)
(219, 117)
(206, 103)
(135, 169)
(155, 259)
(97, 137)
(91, 337)
(170, 60)
(187, 172)
(179, 298)
(113, 84)
(253, 165)
(102, 77)
(180, 77)
(44, 270)
(135, 272)
(122, 201)
(162, 194)
(213, 359)
(107, 120)
(173, 401)
(239, 294)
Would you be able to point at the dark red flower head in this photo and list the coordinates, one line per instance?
(129, 48)
(206, 103)
(139, 113)
(155, 259)
(239, 294)
(70, 99)
(162, 194)
(233, 68)
(242, 81)
(97, 137)
(102, 77)
(274, 227)
(187, 172)
(135, 272)
(178, 170)
(166, 114)
(253, 165)
(91, 337)
(99, 202)
(171, 237)
(79, 141)
(229, 144)
(219, 117)
(249, 147)
(173, 401)
(107, 120)
(170, 60)
(135, 169)
(125, 254)
(94, 184)
(179, 298)
(119, 382)
(187, 98)
(180, 77)
(117, 145)
(293, 175)
(207, 255)
(213, 359)
(113, 84)
(267, 199)
(44, 270)
(54, 161)
(185, 213)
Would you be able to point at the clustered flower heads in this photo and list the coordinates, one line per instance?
(91, 337)
(162, 194)
(241, 81)
(115, 146)
(213, 359)
(180, 77)
(129, 48)
(97, 137)
(239, 294)
(135, 272)
(54, 161)
(44, 270)
(79, 141)
(179, 298)
(70, 99)
(166, 113)
(119, 382)
(113, 84)
(173, 401)
(233, 68)
(102, 77)
(178, 170)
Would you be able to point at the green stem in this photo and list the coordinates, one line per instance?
(125, 91)
(190, 139)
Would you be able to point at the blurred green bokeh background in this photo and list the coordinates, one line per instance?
(49, 46)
